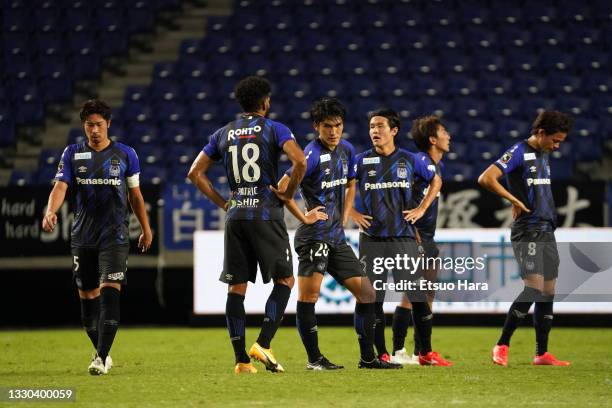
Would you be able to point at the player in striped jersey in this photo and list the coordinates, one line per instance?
(255, 231)
(386, 177)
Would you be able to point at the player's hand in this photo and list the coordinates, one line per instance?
(362, 220)
(281, 194)
(144, 241)
(49, 221)
(517, 208)
(413, 215)
(314, 215)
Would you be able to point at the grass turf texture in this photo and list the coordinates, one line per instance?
(193, 367)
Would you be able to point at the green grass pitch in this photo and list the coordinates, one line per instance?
(193, 367)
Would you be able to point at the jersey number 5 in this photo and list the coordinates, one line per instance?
(250, 154)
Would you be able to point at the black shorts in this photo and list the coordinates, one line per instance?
(339, 261)
(92, 266)
(252, 242)
(536, 252)
(428, 248)
(373, 251)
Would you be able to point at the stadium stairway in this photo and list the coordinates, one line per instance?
(162, 45)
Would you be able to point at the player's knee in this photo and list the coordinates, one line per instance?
(289, 281)
(238, 289)
(366, 294)
(308, 296)
(89, 294)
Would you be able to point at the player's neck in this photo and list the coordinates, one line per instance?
(435, 154)
(256, 113)
(385, 150)
(100, 146)
(533, 142)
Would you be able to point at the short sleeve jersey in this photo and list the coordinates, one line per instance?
(99, 182)
(386, 186)
(527, 172)
(250, 148)
(427, 223)
(324, 184)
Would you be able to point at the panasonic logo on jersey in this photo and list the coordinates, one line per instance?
(537, 181)
(388, 184)
(98, 181)
(333, 183)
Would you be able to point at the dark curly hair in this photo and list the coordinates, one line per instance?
(325, 108)
(251, 91)
(424, 128)
(552, 122)
(95, 106)
(392, 117)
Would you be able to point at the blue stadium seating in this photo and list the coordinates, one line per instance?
(487, 68)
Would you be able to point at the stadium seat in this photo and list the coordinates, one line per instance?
(21, 178)
(461, 85)
(561, 83)
(487, 62)
(512, 129)
(457, 153)
(575, 105)
(457, 171)
(529, 85)
(454, 62)
(470, 107)
(494, 84)
(534, 105)
(475, 129)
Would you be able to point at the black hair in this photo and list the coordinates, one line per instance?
(392, 117)
(325, 108)
(552, 122)
(424, 128)
(251, 92)
(95, 106)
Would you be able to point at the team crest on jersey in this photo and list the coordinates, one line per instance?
(114, 168)
(402, 171)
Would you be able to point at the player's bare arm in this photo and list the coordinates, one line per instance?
(349, 198)
(197, 175)
(308, 217)
(138, 206)
(416, 213)
(298, 160)
(56, 199)
(362, 220)
(489, 179)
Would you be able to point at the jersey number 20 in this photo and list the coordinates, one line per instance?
(250, 154)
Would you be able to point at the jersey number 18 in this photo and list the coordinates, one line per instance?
(250, 154)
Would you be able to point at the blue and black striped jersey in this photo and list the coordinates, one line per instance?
(427, 223)
(386, 186)
(527, 173)
(250, 148)
(99, 181)
(324, 183)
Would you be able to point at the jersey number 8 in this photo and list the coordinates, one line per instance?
(250, 154)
